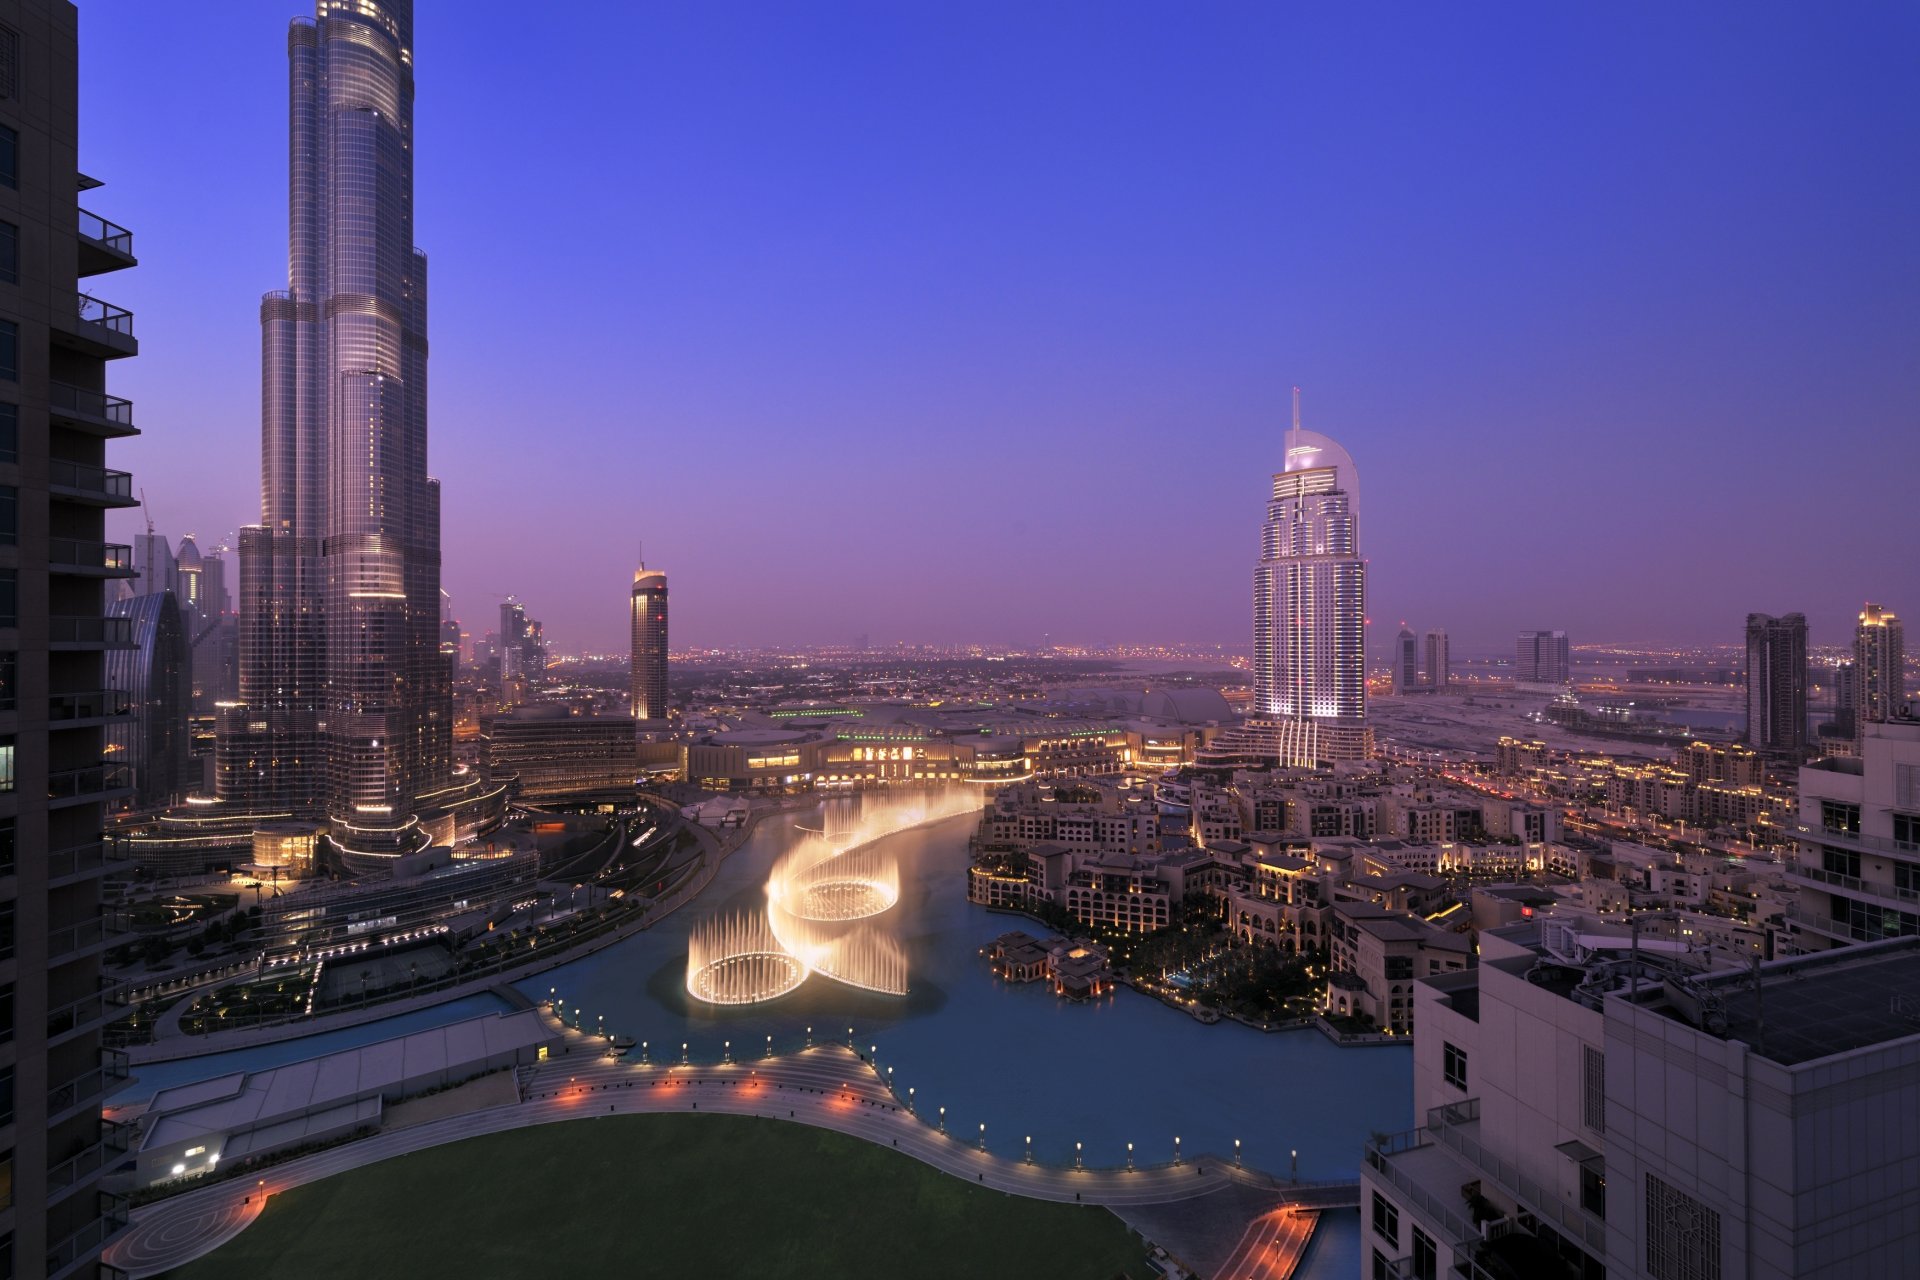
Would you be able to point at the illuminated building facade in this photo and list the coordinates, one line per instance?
(1777, 685)
(648, 605)
(1541, 657)
(344, 686)
(152, 682)
(1879, 655)
(1310, 607)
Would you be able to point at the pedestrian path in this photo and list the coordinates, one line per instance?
(1273, 1245)
(829, 1087)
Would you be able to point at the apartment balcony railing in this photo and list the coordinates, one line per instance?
(95, 782)
(79, 861)
(95, 559)
(1844, 930)
(75, 940)
(1853, 884)
(90, 1084)
(93, 411)
(1855, 840)
(1449, 1125)
(104, 316)
(89, 633)
(91, 484)
(1379, 1157)
(65, 1253)
(82, 1165)
(91, 1010)
(104, 246)
(96, 704)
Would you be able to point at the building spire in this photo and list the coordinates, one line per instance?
(1295, 439)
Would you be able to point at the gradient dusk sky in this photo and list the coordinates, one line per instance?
(975, 321)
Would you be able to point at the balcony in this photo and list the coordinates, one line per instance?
(76, 1170)
(68, 634)
(78, 558)
(95, 486)
(89, 1013)
(1820, 877)
(85, 861)
(94, 784)
(1456, 1127)
(1854, 840)
(89, 1086)
(1843, 930)
(104, 246)
(81, 710)
(94, 412)
(98, 328)
(63, 1256)
(1389, 1159)
(89, 937)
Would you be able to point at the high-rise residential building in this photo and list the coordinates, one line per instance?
(1310, 608)
(1844, 691)
(154, 568)
(1879, 676)
(348, 705)
(57, 339)
(1858, 864)
(189, 586)
(1542, 657)
(648, 617)
(153, 680)
(1777, 685)
(1406, 662)
(1435, 661)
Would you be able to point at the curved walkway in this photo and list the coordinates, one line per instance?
(827, 1086)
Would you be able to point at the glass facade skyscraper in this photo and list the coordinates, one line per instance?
(649, 619)
(346, 695)
(1310, 608)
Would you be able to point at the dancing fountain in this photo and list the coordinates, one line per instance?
(824, 900)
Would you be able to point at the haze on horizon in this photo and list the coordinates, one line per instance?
(977, 322)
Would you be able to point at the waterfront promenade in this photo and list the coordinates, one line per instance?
(829, 1087)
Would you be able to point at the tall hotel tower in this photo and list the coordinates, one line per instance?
(649, 612)
(1310, 609)
(347, 701)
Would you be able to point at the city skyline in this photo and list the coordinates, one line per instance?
(1685, 287)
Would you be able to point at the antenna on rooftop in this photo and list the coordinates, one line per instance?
(1296, 418)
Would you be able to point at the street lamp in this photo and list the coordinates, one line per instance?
(1236, 1153)
(769, 1046)
(983, 1135)
(1076, 1157)
(943, 1119)
(643, 1053)
(809, 1037)
(910, 1110)
(1176, 1148)
(1129, 1155)
(1029, 1148)
(683, 1053)
(850, 1038)
(1294, 1156)
(726, 1051)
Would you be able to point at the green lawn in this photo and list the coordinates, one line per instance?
(666, 1195)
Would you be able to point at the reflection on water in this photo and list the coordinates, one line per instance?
(1016, 1058)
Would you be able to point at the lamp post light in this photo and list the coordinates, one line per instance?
(983, 1135)
(850, 1039)
(726, 1051)
(1294, 1157)
(809, 1037)
(603, 1024)
(1077, 1161)
(1129, 1155)
(1236, 1153)
(643, 1053)
(1029, 1148)
(1176, 1148)
(910, 1110)
(769, 1046)
(943, 1119)
(683, 1053)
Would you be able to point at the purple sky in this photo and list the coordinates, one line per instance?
(977, 321)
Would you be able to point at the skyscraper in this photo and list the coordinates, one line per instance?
(1879, 675)
(1541, 657)
(649, 621)
(1310, 607)
(153, 679)
(1436, 663)
(1406, 662)
(57, 420)
(1777, 685)
(340, 666)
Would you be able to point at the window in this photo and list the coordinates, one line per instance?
(6, 1095)
(9, 597)
(6, 763)
(1426, 1258)
(9, 86)
(1593, 1088)
(9, 351)
(9, 157)
(9, 515)
(6, 846)
(9, 432)
(1837, 815)
(1386, 1218)
(1906, 877)
(1683, 1235)
(6, 1180)
(1593, 1190)
(1840, 862)
(1382, 1269)
(1906, 827)
(1399, 968)
(6, 1013)
(6, 930)
(9, 253)
(1453, 1065)
(1906, 785)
